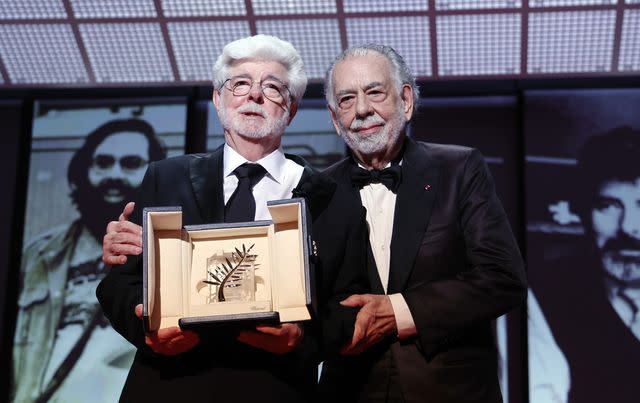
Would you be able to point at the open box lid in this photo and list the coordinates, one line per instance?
(168, 250)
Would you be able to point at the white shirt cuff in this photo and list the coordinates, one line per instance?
(404, 320)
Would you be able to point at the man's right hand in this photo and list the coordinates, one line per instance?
(169, 341)
(122, 238)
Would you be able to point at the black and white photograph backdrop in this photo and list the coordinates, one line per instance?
(87, 160)
(582, 177)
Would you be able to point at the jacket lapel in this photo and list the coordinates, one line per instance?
(414, 205)
(205, 172)
(342, 174)
(316, 187)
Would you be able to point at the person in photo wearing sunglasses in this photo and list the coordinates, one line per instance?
(64, 349)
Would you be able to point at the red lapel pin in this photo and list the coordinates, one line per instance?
(427, 187)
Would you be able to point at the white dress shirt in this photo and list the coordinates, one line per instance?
(282, 177)
(549, 377)
(380, 203)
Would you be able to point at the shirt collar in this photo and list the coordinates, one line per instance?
(273, 163)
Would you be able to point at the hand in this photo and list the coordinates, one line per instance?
(169, 341)
(374, 322)
(122, 238)
(274, 339)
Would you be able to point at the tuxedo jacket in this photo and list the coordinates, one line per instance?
(457, 265)
(601, 350)
(219, 368)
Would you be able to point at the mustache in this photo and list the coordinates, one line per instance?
(252, 108)
(95, 210)
(368, 121)
(621, 242)
(109, 184)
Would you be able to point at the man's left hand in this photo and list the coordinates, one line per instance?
(274, 339)
(374, 322)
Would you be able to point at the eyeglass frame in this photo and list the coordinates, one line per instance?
(118, 160)
(252, 81)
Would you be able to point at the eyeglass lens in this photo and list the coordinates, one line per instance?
(271, 89)
(131, 162)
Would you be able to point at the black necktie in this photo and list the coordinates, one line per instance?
(390, 177)
(241, 205)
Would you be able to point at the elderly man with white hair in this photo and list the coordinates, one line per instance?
(258, 83)
(442, 261)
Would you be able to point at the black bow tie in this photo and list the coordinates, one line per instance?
(390, 177)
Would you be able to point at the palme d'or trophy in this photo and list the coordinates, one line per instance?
(231, 276)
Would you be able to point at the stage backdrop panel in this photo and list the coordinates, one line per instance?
(582, 177)
(87, 159)
(490, 124)
(10, 141)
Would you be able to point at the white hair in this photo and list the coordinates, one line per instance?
(267, 48)
(399, 68)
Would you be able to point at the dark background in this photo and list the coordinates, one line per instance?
(509, 121)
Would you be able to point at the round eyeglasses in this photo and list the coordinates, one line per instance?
(104, 162)
(272, 89)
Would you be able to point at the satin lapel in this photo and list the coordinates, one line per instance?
(414, 204)
(306, 175)
(343, 175)
(205, 172)
(372, 271)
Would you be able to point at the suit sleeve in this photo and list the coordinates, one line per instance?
(121, 289)
(347, 277)
(490, 280)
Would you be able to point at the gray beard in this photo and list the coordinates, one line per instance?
(271, 127)
(377, 142)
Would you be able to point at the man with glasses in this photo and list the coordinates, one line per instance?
(590, 296)
(61, 333)
(258, 83)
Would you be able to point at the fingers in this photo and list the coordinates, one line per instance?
(122, 238)
(126, 213)
(267, 342)
(113, 260)
(175, 335)
(172, 341)
(250, 337)
(357, 341)
(120, 227)
(375, 321)
(364, 320)
(273, 330)
(352, 349)
(355, 300)
(169, 341)
(122, 241)
(279, 330)
(262, 341)
(121, 249)
(359, 333)
(275, 339)
(357, 345)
